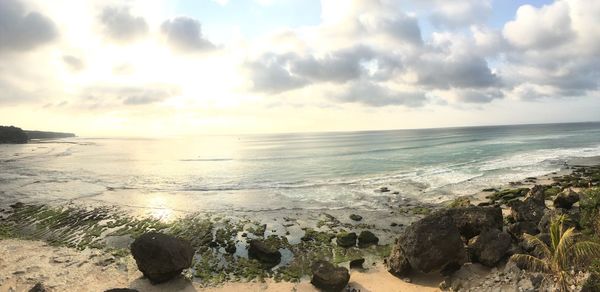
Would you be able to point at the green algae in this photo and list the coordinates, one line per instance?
(210, 236)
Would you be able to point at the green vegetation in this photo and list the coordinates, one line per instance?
(12, 135)
(508, 195)
(460, 202)
(590, 210)
(562, 254)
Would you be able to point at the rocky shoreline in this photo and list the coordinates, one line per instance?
(284, 245)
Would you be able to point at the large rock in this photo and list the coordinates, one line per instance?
(572, 217)
(472, 220)
(328, 277)
(490, 247)
(531, 209)
(367, 238)
(264, 252)
(345, 239)
(538, 193)
(397, 263)
(161, 257)
(566, 199)
(38, 287)
(517, 229)
(432, 243)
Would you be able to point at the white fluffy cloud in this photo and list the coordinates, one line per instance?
(118, 57)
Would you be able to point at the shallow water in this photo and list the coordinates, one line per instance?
(318, 170)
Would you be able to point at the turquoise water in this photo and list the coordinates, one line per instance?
(317, 170)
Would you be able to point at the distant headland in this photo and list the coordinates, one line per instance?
(15, 135)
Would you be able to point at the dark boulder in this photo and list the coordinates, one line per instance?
(38, 287)
(566, 199)
(328, 277)
(489, 247)
(472, 220)
(356, 217)
(357, 263)
(530, 248)
(517, 229)
(161, 257)
(345, 239)
(264, 252)
(538, 193)
(367, 238)
(397, 264)
(432, 243)
(531, 209)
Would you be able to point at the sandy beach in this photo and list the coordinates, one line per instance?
(23, 263)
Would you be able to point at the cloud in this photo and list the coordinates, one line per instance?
(73, 63)
(452, 14)
(185, 34)
(554, 50)
(270, 75)
(403, 28)
(540, 28)
(11, 94)
(373, 94)
(457, 71)
(281, 72)
(23, 30)
(115, 95)
(474, 95)
(121, 26)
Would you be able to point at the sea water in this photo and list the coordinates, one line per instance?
(307, 170)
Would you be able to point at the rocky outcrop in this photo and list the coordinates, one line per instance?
(572, 217)
(517, 229)
(428, 244)
(472, 220)
(264, 252)
(161, 257)
(345, 239)
(328, 277)
(357, 263)
(397, 263)
(12, 135)
(566, 199)
(355, 217)
(38, 287)
(531, 209)
(367, 238)
(490, 247)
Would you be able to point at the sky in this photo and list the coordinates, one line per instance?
(143, 68)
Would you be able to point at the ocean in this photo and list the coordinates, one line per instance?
(307, 170)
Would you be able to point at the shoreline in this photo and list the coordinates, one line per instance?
(292, 224)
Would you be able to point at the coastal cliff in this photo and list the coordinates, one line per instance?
(15, 135)
(47, 135)
(12, 135)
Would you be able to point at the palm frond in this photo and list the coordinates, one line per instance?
(556, 231)
(538, 244)
(586, 250)
(563, 249)
(530, 262)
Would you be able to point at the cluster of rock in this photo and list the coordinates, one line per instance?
(445, 240)
(162, 257)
